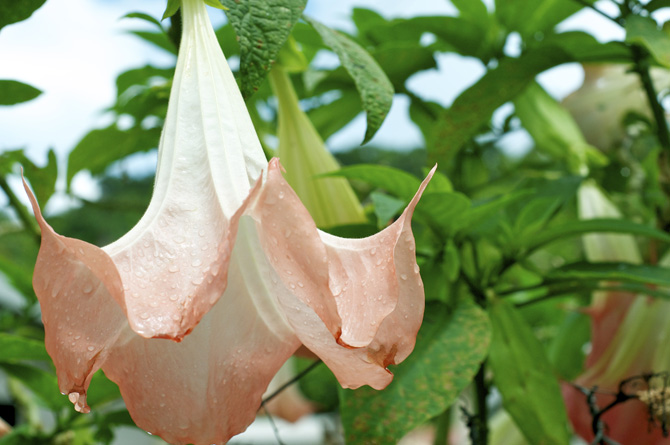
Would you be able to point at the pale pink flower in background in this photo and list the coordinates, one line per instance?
(195, 309)
(630, 336)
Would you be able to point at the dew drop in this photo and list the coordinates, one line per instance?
(292, 286)
(379, 262)
(91, 348)
(144, 316)
(403, 277)
(178, 239)
(197, 262)
(300, 284)
(373, 251)
(281, 195)
(173, 297)
(380, 298)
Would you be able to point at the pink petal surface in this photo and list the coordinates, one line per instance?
(208, 387)
(627, 423)
(374, 283)
(80, 293)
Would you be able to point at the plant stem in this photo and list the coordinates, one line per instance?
(25, 217)
(443, 422)
(481, 416)
(642, 69)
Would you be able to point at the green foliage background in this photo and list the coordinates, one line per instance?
(497, 235)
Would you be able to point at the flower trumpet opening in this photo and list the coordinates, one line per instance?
(228, 262)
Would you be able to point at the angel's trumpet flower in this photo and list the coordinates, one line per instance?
(195, 309)
(609, 92)
(629, 338)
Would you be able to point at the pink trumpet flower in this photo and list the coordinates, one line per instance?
(629, 338)
(195, 309)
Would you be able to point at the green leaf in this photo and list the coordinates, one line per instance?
(215, 4)
(654, 5)
(14, 92)
(523, 375)
(329, 119)
(386, 207)
(100, 148)
(635, 273)
(566, 351)
(17, 10)
(532, 16)
(14, 348)
(444, 212)
(448, 352)
(159, 39)
(262, 27)
(645, 31)
(604, 225)
(145, 17)
(42, 179)
(171, 8)
(474, 10)
(395, 181)
(42, 383)
(372, 83)
(583, 47)
(473, 108)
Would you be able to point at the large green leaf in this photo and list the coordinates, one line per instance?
(14, 92)
(395, 181)
(448, 352)
(644, 31)
(100, 148)
(529, 17)
(606, 225)
(372, 83)
(262, 27)
(626, 272)
(566, 351)
(42, 179)
(14, 348)
(42, 383)
(583, 47)
(12, 11)
(473, 108)
(523, 375)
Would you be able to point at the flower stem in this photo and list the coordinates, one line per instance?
(24, 216)
(642, 69)
(482, 414)
(443, 422)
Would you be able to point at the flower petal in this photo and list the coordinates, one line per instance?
(367, 292)
(173, 262)
(208, 387)
(80, 295)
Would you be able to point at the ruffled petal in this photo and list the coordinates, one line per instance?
(81, 298)
(367, 292)
(208, 387)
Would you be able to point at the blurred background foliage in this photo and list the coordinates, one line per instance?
(498, 233)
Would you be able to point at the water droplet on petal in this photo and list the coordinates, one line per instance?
(281, 195)
(173, 268)
(91, 348)
(178, 239)
(403, 277)
(197, 262)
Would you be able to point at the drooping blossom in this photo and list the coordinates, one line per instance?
(195, 309)
(630, 337)
(608, 93)
(305, 156)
